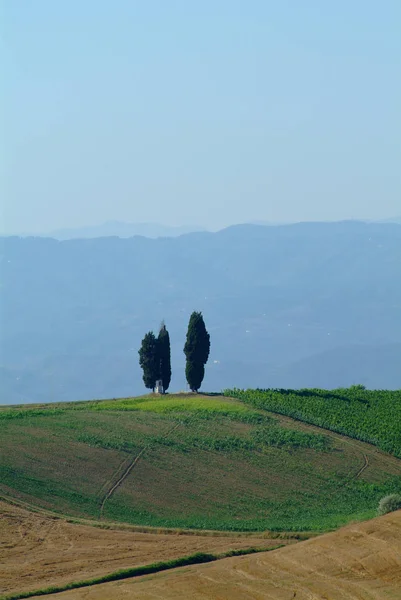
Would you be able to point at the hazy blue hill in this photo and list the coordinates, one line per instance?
(280, 302)
(123, 230)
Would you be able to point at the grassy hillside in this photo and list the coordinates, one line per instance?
(189, 461)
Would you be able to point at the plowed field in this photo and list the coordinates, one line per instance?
(358, 562)
(37, 551)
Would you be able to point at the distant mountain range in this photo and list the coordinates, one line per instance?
(122, 230)
(392, 220)
(309, 304)
(151, 230)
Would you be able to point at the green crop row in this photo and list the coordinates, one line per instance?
(372, 416)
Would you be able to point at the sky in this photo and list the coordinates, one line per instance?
(202, 112)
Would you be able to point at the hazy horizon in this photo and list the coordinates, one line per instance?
(204, 114)
(187, 227)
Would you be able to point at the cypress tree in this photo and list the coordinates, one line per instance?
(196, 350)
(149, 360)
(164, 356)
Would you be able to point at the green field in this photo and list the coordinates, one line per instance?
(209, 462)
(372, 416)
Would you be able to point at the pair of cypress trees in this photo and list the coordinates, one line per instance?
(154, 358)
(154, 355)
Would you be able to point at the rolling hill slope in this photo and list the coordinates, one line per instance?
(189, 461)
(359, 562)
(38, 550)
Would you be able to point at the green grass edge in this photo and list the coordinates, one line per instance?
(192, 559)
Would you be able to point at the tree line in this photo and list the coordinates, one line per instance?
(155, 355)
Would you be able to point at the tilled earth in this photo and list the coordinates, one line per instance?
(38, 551)
(358, 562)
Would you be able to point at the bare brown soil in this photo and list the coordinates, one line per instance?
(37, 551)
(358, 562)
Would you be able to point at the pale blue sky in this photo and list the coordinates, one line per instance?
(204, 112)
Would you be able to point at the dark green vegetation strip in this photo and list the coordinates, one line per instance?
(372, 416)
(193, 559)
(19, 413)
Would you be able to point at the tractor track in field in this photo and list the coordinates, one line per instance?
(107, 484)
(367, 450)
(112, 488)
(365, 466)
(364, 455)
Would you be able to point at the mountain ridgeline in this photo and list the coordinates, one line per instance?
(306, 305)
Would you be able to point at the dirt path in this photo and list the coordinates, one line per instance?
(362, 469)
(128, 470)
(125, 474)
